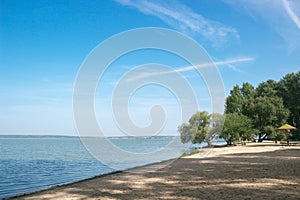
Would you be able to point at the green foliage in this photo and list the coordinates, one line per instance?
(250, 111)
(289, 90)
(268, 88)
(215, 127)
(269, 105)
(248, 91)
(234, 102)
(199, 123)
(216, 124)
(185, 133)
(280, 135)
(238, 98)
(237, 126)
(267, 114)
(197, 129)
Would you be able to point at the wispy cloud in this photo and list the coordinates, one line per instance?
(218, 63)
(183, 18)
(281, 15)
(228, 62)
(291, 13)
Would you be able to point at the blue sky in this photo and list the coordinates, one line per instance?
(43, 44)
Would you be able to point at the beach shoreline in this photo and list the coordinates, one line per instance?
(238, 172)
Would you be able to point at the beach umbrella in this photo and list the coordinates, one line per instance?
(287, 128)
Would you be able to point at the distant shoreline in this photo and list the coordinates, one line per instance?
(36, 136)
(71, 136)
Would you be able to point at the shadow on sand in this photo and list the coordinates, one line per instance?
(268, 175)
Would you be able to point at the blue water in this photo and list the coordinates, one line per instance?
(29, 164)
(35, 163)
(32, 164)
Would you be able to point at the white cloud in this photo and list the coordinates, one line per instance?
(280, 15)
(228, 62)
(183, 18)
(291, 13)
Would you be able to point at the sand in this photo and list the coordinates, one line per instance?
(254, 171)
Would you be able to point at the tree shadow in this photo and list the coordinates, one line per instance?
(267, 175)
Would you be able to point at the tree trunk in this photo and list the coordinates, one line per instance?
(227, 142)
(209, 143)
(259, 137)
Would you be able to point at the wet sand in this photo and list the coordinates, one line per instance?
(254, 171)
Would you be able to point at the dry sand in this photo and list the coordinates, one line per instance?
(255, 171)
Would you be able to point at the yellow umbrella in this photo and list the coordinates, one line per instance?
(287, 128)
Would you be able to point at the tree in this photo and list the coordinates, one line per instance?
(185, 135)
(236, 126)
(199, 123)
(268, 88)
(238, 98)
(267, 113)
(197, 128)
(265, 108)
(234, 102)
(247, 91)
(280, 135)
(262, 105)
(289, 91)
(215, 127)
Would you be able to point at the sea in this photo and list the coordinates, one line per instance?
(33, 163)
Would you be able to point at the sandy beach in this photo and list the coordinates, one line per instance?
(254, 171)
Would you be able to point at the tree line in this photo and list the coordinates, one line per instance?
(249, 113)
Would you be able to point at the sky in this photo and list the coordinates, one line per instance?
(43, 45)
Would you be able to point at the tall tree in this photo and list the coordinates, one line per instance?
(267, 113)
(238, 98)
(185, 134)
(262, 105)
(234, 102)
(248, 91)
(215, 127)
(236, 126)
(289, 91)
(197, 129)
(199, 123)
(268, 88)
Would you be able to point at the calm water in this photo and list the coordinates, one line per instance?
(36, 163)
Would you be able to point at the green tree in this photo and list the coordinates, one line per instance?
(247, 91)
(199, 123)
(185, 134)
(215, 127)
(197, 129)
(268, 88)
(234, 102)
(289, 91)
(262, 105)
(238, 98)
(236, 126)
(280, 135)
(267, 113)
